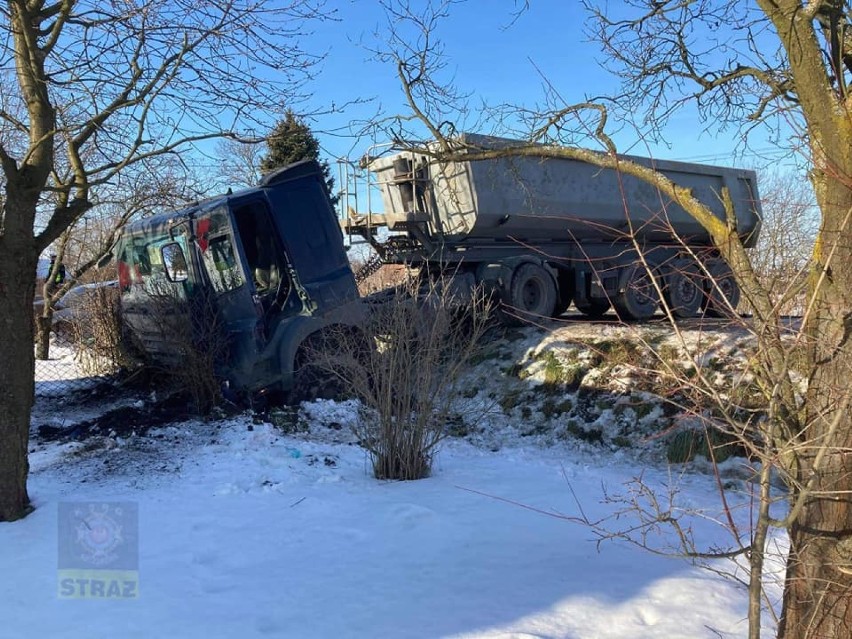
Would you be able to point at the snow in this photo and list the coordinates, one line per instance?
(61, 367)
(247, 531)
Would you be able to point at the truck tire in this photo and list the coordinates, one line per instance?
(314, 375)
(593, 309)
(532, 294)
(722, 293)
(637, 297)
(683, 292)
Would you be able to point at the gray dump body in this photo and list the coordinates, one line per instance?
(537, 201)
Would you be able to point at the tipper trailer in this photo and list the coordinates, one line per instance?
(542, 233)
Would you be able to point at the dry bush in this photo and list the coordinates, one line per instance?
(405, 366)
(190, 345)
(94, 330)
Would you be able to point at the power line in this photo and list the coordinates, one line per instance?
(770, 150)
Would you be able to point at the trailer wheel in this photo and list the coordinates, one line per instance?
(682, 292)
(532, 295)
(722, 293)
(594, 309)
(637, 297)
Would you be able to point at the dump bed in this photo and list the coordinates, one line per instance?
(541, 200)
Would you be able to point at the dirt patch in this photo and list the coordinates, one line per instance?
(124, 421)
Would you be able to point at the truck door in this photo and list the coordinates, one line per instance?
(232, 294)
(267, 261)
(156, 278)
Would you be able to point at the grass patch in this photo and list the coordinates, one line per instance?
(551, 408)
(619, 351)
(685, 445)
(669, 354)
(574, 428)
(515, 370)
(287, 420)
(456, 427)
(620, 441)
(642, 408)
(510, 400)
(559, 372)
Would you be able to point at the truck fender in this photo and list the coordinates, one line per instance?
(300, 328)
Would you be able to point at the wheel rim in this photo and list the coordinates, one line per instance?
(683, 293)
(640, 290)
(638, 300)
(531, 294)
(686, 290)
(723, 294)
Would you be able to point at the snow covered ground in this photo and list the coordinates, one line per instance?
(245, 531)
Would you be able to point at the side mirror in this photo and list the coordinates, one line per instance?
(175, 262)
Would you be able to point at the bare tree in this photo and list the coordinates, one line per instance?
(238, 162)
(95, 89)
(777, 63)
(782, 257)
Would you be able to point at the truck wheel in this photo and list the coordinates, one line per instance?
(594, 309)
(722, 291)
(532, 295)
(683, 292)
(314, 374)
(637, 297)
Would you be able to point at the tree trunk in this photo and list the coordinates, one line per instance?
(43, 326)
(818, 594)
(17, 289)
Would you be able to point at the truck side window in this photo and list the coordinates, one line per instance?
(221, 264)
(142, 271)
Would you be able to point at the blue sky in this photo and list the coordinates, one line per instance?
(498, 60)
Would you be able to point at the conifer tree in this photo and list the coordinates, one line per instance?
(291, 141)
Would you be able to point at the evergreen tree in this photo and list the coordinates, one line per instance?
(291, 141)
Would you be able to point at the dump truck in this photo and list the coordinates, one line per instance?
(267, 265)
(543, 233)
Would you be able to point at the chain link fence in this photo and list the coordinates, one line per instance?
(66, 370)
(85, 344)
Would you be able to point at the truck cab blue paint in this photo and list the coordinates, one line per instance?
(269, 261)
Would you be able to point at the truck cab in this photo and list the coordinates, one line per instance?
(267, 265)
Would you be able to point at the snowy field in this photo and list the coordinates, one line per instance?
(245, 531)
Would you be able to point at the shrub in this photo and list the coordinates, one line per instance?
(95, 332)
(406, 368)
(194, 344)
